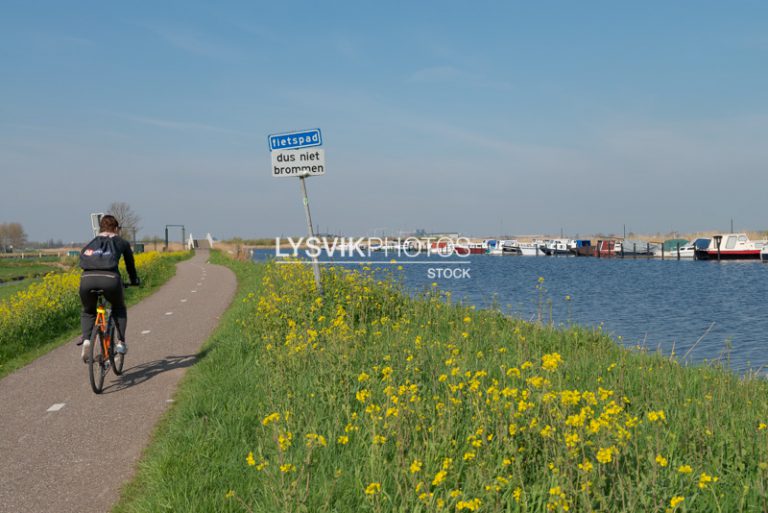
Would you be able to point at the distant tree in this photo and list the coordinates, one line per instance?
(128, 219)
(12, 234)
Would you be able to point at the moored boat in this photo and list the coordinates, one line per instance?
(681, 251)
(764, 253)
(557, 247)
(470, 248)
(730, 246)
(633, 248)
(582, 247)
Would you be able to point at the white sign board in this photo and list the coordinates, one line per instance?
(95, 220)
(304, 162)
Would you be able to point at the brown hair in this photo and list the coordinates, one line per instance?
(108, 223)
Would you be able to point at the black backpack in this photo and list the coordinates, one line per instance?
(99, 255)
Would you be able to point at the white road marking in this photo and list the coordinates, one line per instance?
(168, 313)
(183, 300)
(169, 400)
(194, 291)
(56, 407)
(146, 332)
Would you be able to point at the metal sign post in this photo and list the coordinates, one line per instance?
(315, 264)
(297, 154)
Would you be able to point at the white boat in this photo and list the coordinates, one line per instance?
(686, 251)
(559, 247)
(530, 249)
(764, 253)
(731, 246)
(494, 247)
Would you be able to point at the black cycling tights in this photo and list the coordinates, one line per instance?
(112, 285)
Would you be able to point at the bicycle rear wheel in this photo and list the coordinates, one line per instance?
(97, 362)
(115, 358)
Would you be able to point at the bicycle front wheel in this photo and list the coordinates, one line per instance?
(115, 358)
(97, 362)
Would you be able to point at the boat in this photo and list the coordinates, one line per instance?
(530, 249)
(608, 248)
(681, 251)
(511, 248)
(764, 253)
(581, 247)
(633, 248)
(730, 246)
(558, 247)
(470, 248)
(494, 247)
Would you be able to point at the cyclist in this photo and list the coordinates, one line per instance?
(99, 260)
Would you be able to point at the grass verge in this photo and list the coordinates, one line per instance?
(371, 400)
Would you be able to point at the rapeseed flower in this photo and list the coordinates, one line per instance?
(272, 417)
(550, 362)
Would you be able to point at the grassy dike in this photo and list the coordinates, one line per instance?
(371, 400)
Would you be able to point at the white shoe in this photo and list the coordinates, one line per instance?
(85, 353)
(122, 347)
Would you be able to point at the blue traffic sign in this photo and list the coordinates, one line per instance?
(293, 140)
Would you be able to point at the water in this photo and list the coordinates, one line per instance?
(648, 302)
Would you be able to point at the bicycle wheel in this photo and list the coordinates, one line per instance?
(97, 363)
(115, 358)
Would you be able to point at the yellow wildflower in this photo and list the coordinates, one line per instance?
(471, 505)
(284, 440)
(676, 500)
(416, 466)
(605, 455)
(373, 488)
(705, 480)
(272, 417)
(550, 362)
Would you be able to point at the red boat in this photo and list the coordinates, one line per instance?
(472, 248)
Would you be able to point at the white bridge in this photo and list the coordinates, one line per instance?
(206, 243)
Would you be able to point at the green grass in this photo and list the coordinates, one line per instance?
(29, 341)
(16, 269)
(501, 398)
(9, 289)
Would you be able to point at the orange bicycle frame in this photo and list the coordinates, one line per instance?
(101, 323)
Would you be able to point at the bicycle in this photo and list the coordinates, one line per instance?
(103, 355)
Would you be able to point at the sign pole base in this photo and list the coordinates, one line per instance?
(315, 264)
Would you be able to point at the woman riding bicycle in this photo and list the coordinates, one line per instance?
(99, 260)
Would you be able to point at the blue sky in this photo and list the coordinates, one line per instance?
(478, 117)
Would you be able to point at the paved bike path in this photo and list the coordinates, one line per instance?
(64, 448)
